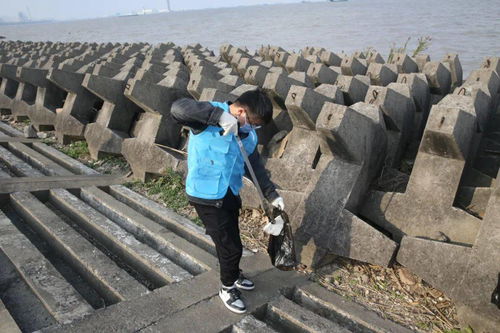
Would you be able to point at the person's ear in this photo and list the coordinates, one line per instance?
(241, 111)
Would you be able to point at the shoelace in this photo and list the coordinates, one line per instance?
(235, 294)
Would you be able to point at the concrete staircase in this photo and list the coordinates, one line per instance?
(81, 253)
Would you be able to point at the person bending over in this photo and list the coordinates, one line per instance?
(215, 172)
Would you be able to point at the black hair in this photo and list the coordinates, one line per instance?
(257, 104)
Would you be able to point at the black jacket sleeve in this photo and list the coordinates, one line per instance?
(195, 115)
(267, 186)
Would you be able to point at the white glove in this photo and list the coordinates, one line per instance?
(228, 123)
(279, 203)
(275, 227)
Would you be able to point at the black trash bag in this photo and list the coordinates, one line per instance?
(495, 297)
(281, 248)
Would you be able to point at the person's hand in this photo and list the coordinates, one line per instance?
(228, 123)
(279, 203)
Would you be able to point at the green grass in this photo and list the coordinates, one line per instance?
(423, 44)
(76, 149)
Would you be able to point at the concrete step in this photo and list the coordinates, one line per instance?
(137, 255)
(62, 159)
(37, 160)
(164, 216)
(250, 324)
(7, 324)
(347, 313)
(210, 314)
(101, 272)
(24, 307)
(60, 299)
(288, 316)
(9, 130)
(16, 165)
(185, 254)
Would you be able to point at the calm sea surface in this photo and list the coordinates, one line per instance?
(469, 28)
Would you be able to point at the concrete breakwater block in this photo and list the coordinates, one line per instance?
(471, 275)
(112, 120)
(353, 66)
(455, 69)
(154, 125)
(404, 63)
(48, 97)
(353, 87)
(320, 73)
(8, 90)
(80, 106)
(426, 208)
(438, 76)
(399, 112)
(381, 74)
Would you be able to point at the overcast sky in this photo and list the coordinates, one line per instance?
(76, 9)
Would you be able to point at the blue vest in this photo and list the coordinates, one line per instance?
(215, 161)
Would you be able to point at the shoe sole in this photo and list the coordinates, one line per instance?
(239, 286)
(230, 308)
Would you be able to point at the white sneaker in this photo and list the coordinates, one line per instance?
(244, 283)
(231, 297)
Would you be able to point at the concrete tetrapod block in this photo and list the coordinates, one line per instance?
(486, 76)
(154, 126)
(278, 86)
(331, 91)
(297, 62)
(320, 73)
(23, 103)
(481, 101)
(426, 208)
(469, 275)
(404, 63)
(304, 105)
(421, 59)
(353, 87)
(420, 92)
(301, 77)
(8, 87)
(197, 83)
(61, 300)
(381, 74)
(79, 108)
(375, 57)
(353, 66)
(280, 58)
(399, 110)
(256, 75)
(438, 76)
(211, 94)
(330, 58)
(356, 134)
(113, 120)
(49, 97)
(455, 69)
(324, 227)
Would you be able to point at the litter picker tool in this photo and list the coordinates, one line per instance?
(275, 224)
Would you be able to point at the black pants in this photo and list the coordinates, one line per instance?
(222, 226)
